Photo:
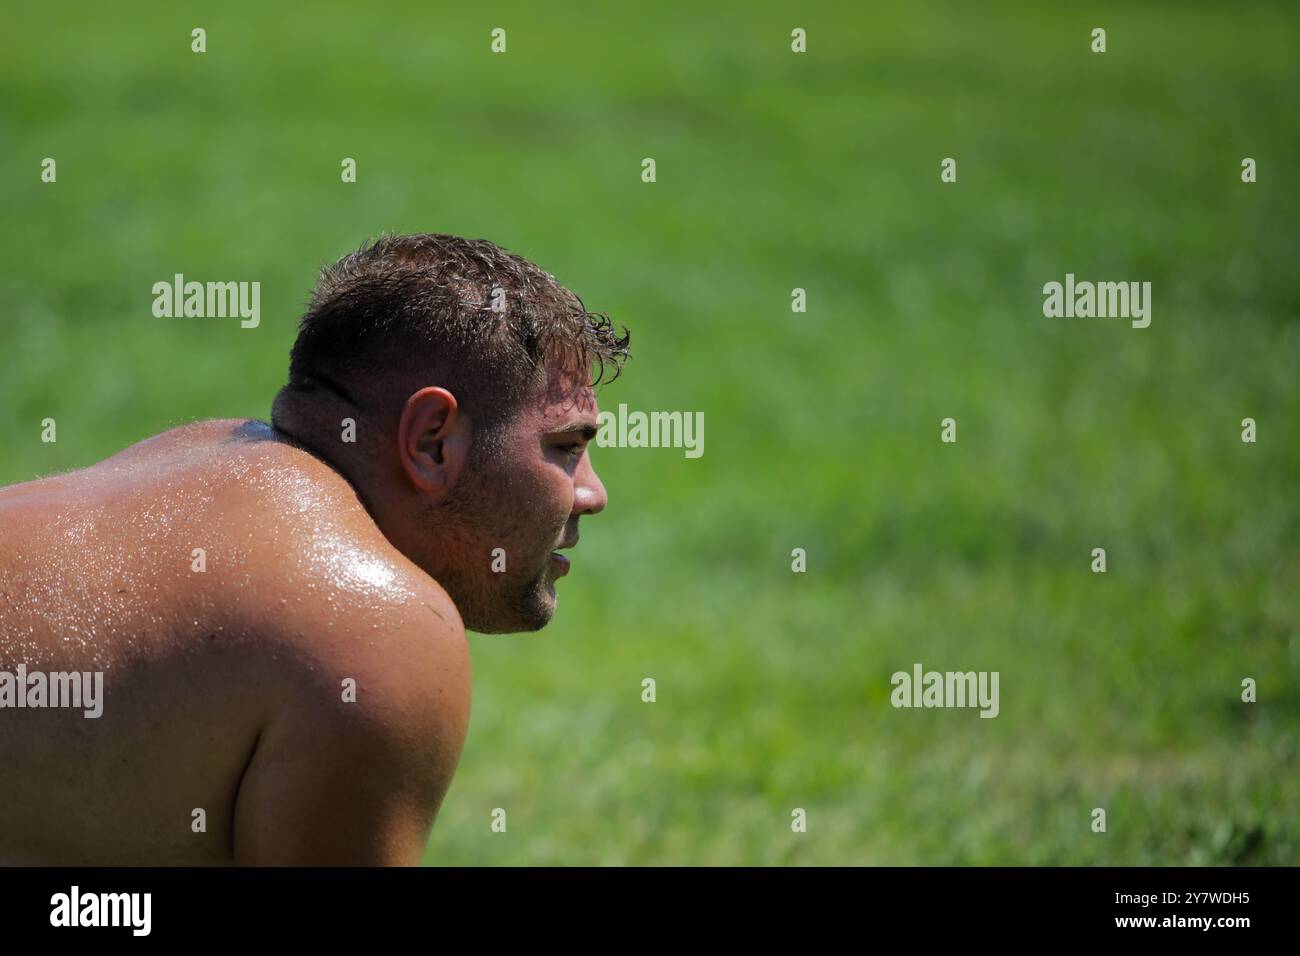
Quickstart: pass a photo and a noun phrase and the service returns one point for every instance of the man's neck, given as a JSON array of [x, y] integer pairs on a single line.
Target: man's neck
[[320, 421]]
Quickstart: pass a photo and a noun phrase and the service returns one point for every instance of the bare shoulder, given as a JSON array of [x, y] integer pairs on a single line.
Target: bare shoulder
[[365, 670], [369, 672], [354, 635], [381, 635], [357, 632]]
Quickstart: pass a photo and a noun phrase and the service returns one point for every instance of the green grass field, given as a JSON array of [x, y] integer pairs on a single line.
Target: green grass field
[[774, 171]]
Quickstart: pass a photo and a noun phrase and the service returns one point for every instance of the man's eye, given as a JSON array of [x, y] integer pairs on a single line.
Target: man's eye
[[574, 448]]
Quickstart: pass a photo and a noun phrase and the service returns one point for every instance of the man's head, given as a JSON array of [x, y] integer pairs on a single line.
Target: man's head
[[469, 373]]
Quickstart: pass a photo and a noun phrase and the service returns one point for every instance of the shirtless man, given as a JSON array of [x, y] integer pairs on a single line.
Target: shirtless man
[[278, 611]]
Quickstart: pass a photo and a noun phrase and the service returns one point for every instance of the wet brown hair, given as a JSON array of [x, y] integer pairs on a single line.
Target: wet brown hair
[[407, 311]]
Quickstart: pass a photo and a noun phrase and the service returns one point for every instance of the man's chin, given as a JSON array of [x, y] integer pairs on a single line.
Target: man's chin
[[532, 612]]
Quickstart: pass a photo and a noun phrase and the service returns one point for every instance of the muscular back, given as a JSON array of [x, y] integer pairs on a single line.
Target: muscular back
[[231, 588]]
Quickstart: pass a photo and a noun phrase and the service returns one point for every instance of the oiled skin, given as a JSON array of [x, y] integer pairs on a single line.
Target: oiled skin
[[223, 688]]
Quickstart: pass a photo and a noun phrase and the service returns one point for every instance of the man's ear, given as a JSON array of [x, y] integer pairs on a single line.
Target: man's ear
[[433, 439]]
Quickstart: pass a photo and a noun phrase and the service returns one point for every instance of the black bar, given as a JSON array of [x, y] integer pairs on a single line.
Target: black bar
[[424, 905]]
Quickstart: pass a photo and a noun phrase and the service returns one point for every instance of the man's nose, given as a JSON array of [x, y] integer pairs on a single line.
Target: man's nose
[[589, 496]]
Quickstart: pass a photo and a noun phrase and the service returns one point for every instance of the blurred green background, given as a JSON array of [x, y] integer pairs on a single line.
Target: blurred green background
[[775, 171]]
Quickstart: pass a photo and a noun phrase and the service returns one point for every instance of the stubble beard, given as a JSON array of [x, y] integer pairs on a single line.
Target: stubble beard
[[488, 602]]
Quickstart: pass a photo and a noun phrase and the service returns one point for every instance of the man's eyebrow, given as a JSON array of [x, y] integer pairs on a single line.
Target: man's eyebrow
[[585, 428]]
